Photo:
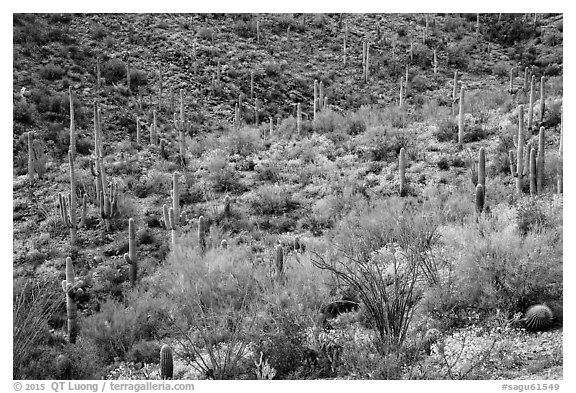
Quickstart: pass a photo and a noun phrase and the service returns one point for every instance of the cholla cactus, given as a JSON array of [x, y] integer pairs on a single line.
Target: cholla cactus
[[72, 288], [130, 257], [166, 362]]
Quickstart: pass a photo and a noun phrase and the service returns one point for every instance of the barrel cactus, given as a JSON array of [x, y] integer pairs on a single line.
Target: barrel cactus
[[166, 362], [538, 317]]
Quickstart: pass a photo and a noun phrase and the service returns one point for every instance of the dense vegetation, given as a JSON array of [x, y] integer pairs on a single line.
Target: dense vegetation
[[306, 174]]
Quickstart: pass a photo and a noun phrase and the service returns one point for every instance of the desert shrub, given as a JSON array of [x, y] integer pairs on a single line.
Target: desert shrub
[[243, 142], [447, 130], [205, 33], [245, 29], [114, 71], [422, 54], [501, 69], [99, 31], [498, 267], [51, 72], [23, 112], [137, 78], [272, 200], [221, 175]]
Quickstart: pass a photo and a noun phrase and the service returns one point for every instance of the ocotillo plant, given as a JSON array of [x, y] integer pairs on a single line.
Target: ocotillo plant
[[533, 184], [202, 233], [461, 117], [402, 171], [542, 100], [166, 362], [169, 221], [531, 103], [68, 213], [130, 257], [36, 159], [72, 288], [279, 261]]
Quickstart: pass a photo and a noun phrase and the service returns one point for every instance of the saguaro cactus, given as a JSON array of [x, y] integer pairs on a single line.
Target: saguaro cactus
[[169, 222], [154, 129], [298, 119], [72, 288], [176, 197], [531, 103], [72, 124], [36, 159], [461, 117], [402, 171], [315, 98], [560, 169], [511, 87], [108, 203], [482, 168], [519, 172], [533, 184], [68, 213], [166, 362], [540, 160], [344, 50], [279, 261], [202, 233], [130, 257], [401, 91], [542, 100], [138, 132], [480, 198]]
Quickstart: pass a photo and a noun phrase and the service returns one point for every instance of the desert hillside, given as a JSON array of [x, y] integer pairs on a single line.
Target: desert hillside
[[287, 196]]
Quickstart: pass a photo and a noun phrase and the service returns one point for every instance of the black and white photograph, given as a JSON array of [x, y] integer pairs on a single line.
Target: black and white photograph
[[287, 196]]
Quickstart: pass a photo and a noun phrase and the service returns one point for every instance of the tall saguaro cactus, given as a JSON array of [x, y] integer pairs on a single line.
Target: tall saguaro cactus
[[68, 208], [560, 169], [533, 175], [531, 103], [176, 197], [72, 288], [72, 124], [542, 100], [130, 257], [402, 171], [461, 117], [480, 198], [520, 171], [540, 160], [169, 222], [482, 168], [202, 234], [36, 159], [298, 119], [315, 97], [279, 261], [401, 91]]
